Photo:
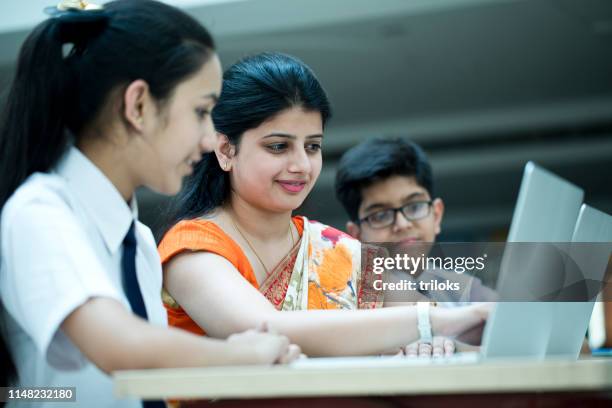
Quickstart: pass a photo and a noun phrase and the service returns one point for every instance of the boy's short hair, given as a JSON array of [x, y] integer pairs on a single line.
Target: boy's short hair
[[375, 160]]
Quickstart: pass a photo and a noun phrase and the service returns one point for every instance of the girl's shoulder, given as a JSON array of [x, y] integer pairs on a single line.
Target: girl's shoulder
[[40, 192]]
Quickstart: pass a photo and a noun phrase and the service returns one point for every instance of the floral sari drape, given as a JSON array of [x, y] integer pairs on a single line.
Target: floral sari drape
[[323, 271]]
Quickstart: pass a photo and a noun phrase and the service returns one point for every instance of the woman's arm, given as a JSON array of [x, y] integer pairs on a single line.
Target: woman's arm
[[115, 339], [221, 301]]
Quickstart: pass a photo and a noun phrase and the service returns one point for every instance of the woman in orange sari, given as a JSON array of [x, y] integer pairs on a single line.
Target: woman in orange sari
[[235, 257]]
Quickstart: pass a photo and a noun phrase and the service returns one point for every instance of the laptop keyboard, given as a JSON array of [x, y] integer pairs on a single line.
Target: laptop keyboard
[[383, 361]]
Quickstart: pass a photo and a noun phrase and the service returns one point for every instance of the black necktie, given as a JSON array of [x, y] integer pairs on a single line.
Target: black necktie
[[132, 288], [130, 280]]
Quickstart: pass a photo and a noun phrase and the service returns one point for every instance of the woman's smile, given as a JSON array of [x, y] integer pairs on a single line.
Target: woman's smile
[[293, 187]]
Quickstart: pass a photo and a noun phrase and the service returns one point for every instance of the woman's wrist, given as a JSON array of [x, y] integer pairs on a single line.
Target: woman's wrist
[[438, 321], [451, 322]]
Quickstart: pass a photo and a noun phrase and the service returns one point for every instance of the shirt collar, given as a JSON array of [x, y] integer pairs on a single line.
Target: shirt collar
[[100, 198]]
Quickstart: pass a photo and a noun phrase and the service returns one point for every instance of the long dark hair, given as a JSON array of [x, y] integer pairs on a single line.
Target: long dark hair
[[55, 94], [255, 89]]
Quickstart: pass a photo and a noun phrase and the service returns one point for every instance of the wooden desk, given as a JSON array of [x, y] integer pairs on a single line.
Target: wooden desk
[[587, 380]]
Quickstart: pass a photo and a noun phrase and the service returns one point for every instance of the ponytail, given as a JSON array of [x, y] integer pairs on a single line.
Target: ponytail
[[33, 123]]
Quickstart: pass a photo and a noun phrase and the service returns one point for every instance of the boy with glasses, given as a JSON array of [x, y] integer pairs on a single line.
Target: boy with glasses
[[386, 187]]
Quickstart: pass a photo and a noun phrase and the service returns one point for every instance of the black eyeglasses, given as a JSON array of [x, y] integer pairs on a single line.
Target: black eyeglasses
[[412, 212]]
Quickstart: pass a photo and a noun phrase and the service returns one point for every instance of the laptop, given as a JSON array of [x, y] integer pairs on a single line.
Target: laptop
[[593, 238], [546, 211]]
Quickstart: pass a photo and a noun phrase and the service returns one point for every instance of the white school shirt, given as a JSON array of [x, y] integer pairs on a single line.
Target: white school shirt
[[61, 236]]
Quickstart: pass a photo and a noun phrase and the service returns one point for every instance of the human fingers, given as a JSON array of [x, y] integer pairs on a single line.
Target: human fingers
[[425, 349], [449, 347], [437, 346], [271, 347], [292, 353], [412, 349]]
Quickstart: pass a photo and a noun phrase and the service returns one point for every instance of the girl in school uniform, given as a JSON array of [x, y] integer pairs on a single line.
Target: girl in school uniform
[[103, 101]]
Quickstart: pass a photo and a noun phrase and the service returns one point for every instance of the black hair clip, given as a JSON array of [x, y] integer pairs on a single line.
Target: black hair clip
[[78, 23]]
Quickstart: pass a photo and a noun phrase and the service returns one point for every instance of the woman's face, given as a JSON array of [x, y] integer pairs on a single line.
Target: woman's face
[[184, 130], [278, 163]]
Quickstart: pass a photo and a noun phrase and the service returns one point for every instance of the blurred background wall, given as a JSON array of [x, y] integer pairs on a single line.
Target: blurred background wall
[[483, 85]]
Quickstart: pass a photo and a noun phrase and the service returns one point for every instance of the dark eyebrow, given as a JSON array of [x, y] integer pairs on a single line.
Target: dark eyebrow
[[288, 136], [416, 194], [374, 206]]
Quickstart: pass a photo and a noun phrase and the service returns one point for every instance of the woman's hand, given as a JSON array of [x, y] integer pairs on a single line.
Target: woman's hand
[[439, 347], [262, 346]]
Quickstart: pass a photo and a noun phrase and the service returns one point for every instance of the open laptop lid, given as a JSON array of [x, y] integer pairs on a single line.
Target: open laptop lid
[[571, 319], [546, 211]]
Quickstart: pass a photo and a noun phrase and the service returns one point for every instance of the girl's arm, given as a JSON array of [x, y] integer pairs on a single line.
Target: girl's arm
[[113, 338]]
